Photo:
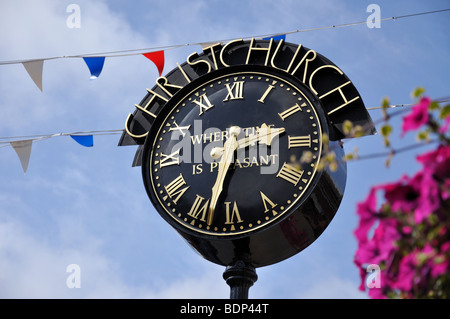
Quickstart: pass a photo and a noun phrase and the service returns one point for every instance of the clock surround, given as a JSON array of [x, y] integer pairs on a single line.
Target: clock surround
[[221, 232]]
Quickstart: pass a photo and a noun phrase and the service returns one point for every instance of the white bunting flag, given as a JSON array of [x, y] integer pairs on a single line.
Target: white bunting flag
[[23, 150], [34, 69]]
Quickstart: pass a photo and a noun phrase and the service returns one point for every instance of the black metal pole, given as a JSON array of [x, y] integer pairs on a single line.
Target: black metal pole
[[240, 277]]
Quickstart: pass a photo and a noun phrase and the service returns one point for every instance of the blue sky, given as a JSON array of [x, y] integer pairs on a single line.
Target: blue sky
[[88, 206]]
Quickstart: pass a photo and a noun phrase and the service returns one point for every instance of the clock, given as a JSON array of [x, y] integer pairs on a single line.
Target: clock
[[234, 157], [232, 144]]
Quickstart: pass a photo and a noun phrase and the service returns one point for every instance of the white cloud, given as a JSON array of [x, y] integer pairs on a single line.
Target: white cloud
[[32, 268]]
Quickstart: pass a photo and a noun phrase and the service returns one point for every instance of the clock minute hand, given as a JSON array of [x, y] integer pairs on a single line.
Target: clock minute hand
[[227, 154], [264, 136]]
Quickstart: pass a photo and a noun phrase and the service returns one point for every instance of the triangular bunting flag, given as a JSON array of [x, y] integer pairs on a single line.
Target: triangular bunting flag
[[277, 37], [34, 69], [85, 140], [23, 150], [95, 65], [156, 57]]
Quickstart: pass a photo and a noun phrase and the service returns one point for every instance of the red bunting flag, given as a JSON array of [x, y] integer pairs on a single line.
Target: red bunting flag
[[156, 57]]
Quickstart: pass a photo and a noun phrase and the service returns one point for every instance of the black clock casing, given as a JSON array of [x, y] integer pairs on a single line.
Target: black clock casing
[[259, 218]]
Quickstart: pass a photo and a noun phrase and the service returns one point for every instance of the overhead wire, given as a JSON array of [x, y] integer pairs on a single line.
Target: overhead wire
[[6, 141], [129, 52]]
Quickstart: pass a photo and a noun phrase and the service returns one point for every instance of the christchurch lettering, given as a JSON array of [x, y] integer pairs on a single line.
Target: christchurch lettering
[[303, 63]]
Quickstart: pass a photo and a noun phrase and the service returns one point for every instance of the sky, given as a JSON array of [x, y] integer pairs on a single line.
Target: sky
[[88, 206]]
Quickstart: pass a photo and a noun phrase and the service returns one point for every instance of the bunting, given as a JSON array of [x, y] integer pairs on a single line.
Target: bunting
[[95, 65], [157, 58], [34, 69], [23, 150], [22, 144], [84, 140], [277, 37]]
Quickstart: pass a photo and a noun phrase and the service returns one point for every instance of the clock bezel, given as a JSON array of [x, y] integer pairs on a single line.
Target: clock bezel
[[185, 92]]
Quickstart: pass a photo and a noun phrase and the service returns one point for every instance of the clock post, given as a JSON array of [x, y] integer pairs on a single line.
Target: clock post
[[240, 277], [246, 187]]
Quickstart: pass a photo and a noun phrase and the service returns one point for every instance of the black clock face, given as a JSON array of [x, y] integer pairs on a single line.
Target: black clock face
[[225, 157]]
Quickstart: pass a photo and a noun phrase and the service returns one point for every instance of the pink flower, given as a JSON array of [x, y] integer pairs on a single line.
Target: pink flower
[[429, 199], [406, 273], [417, 117], [435, 157], [381, 245], [419, 195], [443, 129], [379, 293], [441, 262], [440, 266], [436, 165], [404, 195], [398, 234], [376, 293], [366, 211]]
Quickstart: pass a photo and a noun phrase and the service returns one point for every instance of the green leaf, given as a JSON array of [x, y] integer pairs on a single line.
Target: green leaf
[[417, 93], [445, 111], [423, 136], [358, 131], [433, 106], [386, 130], [385, 103], [347, 127]]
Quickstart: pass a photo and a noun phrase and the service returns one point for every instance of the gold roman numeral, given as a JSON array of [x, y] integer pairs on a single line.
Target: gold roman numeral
[[174, 159], [203, 107], [299, 141], [174, 188], [235, 92], [266, 200], [290, 173], [266, 93], [230, 215], [291, 111], [179, 128], [197, 208]]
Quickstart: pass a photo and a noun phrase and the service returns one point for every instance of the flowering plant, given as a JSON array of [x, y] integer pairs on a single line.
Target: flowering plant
[[404, 226]]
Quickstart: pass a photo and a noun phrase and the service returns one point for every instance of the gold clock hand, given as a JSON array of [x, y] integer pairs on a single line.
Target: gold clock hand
[[264, 136], [227, 154]]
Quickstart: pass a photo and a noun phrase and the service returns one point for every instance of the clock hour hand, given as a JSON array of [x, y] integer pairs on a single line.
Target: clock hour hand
[[265, 135], [226, 155]]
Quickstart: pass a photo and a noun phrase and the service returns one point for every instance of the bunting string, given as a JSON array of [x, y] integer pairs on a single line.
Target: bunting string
[[130, 52], [22, 144], [82, 138], [95, 62]]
